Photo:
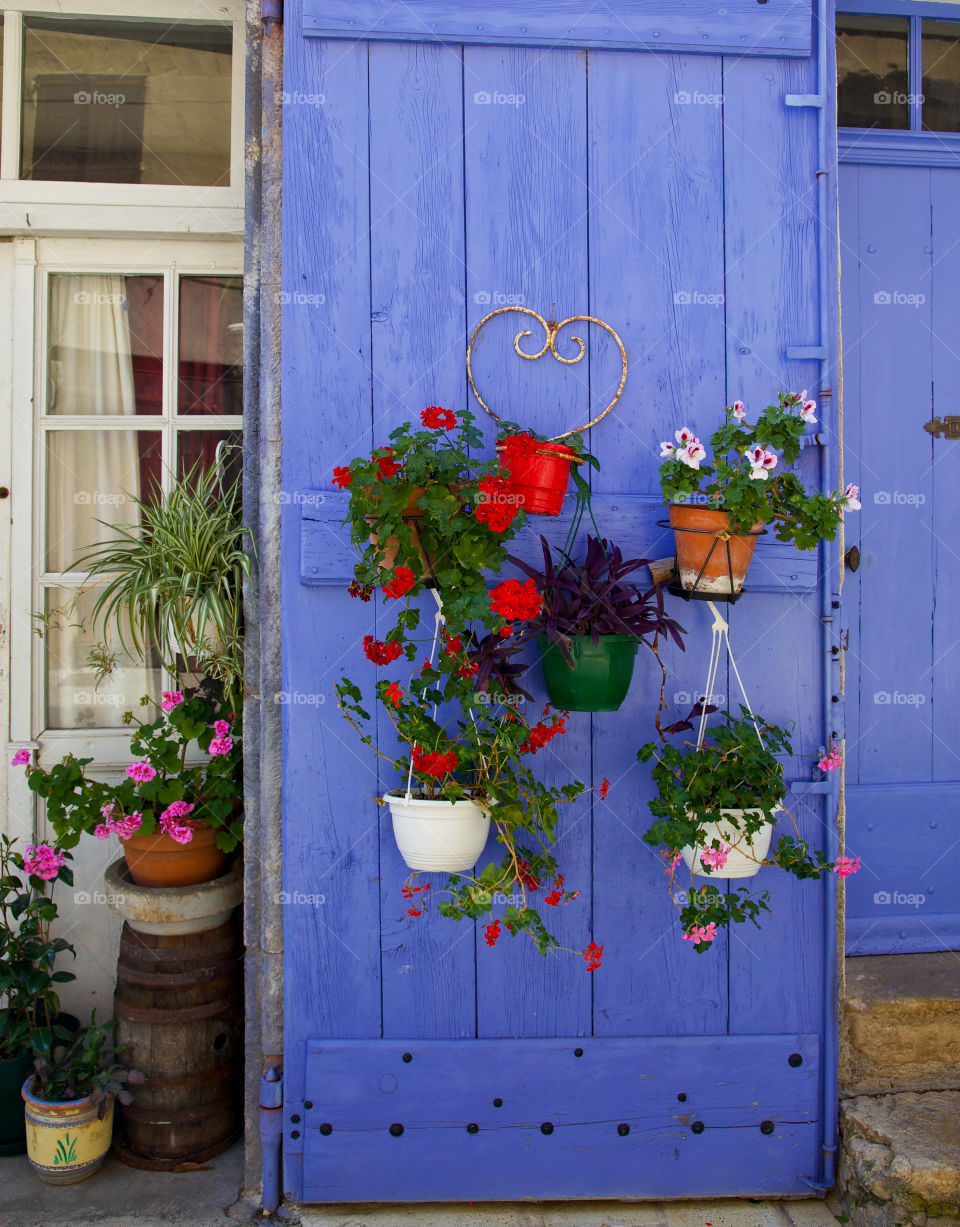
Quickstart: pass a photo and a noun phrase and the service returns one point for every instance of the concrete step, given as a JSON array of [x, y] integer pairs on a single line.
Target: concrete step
[[901, 1023], [900, 1159]]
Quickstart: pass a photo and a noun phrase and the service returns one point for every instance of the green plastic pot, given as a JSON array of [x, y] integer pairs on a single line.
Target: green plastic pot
[[599, 677], [13, 1134]]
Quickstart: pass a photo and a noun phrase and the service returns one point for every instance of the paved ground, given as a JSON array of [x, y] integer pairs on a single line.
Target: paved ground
[[119, 1196]]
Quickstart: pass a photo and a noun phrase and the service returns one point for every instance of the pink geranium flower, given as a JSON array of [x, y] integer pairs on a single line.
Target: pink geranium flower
[[221, 745], [738, 410], [43, 861], [716, 858], [125, 827], [141, 773], [174, 822], [846, 865], [850, 499], [831, 760], [20, 759], [761, 462], [693, 454], [808, 410], [171, 699], [221, 728], [103, 831], [701, 933], [667, 450]]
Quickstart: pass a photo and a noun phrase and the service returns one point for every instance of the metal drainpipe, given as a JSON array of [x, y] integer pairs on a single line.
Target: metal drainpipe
[[261, 490], [829, 379]]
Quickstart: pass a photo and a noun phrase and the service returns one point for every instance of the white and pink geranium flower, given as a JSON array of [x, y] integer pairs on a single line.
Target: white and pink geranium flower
[[761, 462]]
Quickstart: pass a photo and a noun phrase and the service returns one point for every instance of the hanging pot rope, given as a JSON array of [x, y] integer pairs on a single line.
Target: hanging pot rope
[[720, 637]]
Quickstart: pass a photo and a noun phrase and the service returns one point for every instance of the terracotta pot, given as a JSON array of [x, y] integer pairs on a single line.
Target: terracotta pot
[[540, 480], [66, 1142], [158, 860], [703, 536]]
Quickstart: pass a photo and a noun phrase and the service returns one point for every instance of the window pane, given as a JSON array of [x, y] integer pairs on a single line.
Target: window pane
[[91, 475], [124, 101], [74, 700], [872, 72], [210, 375], [205, 448], [105, 347], [941, 76]]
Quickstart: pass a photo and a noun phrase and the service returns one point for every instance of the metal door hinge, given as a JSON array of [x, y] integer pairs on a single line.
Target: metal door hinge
[[801, 353], [947, 428], [803, 100]]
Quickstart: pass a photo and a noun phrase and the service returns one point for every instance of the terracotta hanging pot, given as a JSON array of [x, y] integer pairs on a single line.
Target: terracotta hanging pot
[[710, 559], [158, 860], [598, 679], [540, 479]]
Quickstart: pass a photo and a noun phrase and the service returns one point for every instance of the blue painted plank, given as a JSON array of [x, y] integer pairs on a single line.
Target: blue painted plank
[[332, 964], [656, 273], [731, 1085], [417, 295], [771, 286], [895, 148], [526, 234], [327, 557], [930, 932], [735, 25]]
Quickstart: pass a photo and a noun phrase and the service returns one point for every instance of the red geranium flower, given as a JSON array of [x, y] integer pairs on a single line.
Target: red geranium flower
[[525, 876], [402, 582], [470, 670], [342, 476], [517, 447], [393, 694], [541, 735], [386, 466], [435, 764], [453, 646], [435, 418], [593, 954], [363, 591], [381, 653], [604, 788], [514, 600], [492, 932], [498, 506]]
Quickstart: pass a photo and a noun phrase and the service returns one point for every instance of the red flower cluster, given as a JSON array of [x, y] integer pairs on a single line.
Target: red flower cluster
[[363, 591], [386, 465], [408, 892], [342, 476], [541, 735], [517, 448], [469, 670], [436, 764], [381, 653], [435, 418], [453, 646], [394, 694], [525, 876], [417, 910], [402, 582], [557, 893], [498, 505], [491, 933], [511, 599], [593, 954], [604, 788]]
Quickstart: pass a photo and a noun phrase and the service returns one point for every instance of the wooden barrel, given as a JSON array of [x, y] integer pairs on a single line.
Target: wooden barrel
[[179, 1012]]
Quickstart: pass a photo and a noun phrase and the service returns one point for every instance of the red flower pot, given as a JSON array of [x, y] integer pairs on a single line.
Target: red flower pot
[[539, 476]]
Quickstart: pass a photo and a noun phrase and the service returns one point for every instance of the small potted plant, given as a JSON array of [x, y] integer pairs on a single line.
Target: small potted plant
[[427, 511], [718, 509], [716, 809], [591, 624], [469, 772], [178, 811], [539, 469], [28, 975], [69, 1101]]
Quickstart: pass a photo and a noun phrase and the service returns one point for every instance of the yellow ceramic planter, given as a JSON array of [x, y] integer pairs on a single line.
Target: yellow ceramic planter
[[66, 1142]]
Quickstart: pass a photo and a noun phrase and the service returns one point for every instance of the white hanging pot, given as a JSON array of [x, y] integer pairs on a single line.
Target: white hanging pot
[[438, 836], [746, 851]]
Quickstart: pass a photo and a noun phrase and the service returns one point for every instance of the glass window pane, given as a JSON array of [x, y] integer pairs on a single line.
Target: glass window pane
[[204, 448], [91, 475], [941, 76], [105, 346], [872, 72], [74, 699], [125, 101], [210, 374]]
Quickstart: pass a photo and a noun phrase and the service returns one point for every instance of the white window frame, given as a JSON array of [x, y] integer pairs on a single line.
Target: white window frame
[[33, 206], [36, 260]]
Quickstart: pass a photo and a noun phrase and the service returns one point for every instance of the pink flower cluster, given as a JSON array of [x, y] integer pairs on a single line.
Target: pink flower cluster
[[701, 933], [172, 822], [222, 742], [831, 760], [715, 858], [141, 773], [846, 865], [20, 759], [688, 448], [124, 827], [42, 861], [761, 462], [171, 699]]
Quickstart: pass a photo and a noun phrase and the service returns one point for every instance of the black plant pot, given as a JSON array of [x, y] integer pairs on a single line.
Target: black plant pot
[[13, 1132]]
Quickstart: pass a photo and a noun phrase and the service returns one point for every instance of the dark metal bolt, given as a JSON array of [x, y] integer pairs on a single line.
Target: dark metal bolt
[[294, 1133], [471, 1128], [698, 1126], [308, 1105], [396, 1130], [498, 1103], [767, 1126], [794, 1059], [682, 1097], [623, 1130], [578, 1052], [326, 1129], [546, 1128], [295, 1119], [408, 1057]]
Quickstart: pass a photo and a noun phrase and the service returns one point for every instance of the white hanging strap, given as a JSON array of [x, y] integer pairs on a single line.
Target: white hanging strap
[[439, 621], [721, 636]]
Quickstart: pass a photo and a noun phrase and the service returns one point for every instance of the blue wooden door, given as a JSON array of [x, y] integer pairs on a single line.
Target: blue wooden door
[[439, 161], [900, 228]]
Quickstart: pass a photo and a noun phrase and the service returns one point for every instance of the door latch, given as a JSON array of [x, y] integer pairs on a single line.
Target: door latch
[[948, 427], [852, 559]]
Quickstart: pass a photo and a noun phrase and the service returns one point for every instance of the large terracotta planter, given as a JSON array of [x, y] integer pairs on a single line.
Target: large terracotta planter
[[710, 559], [598, 679], [66, 1142], [539, 480], [158, 860]]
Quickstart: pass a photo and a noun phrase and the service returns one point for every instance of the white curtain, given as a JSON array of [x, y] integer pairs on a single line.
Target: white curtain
[[89, 473]]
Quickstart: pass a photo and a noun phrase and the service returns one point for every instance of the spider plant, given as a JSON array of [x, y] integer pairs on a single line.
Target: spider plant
[[174, 582]]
